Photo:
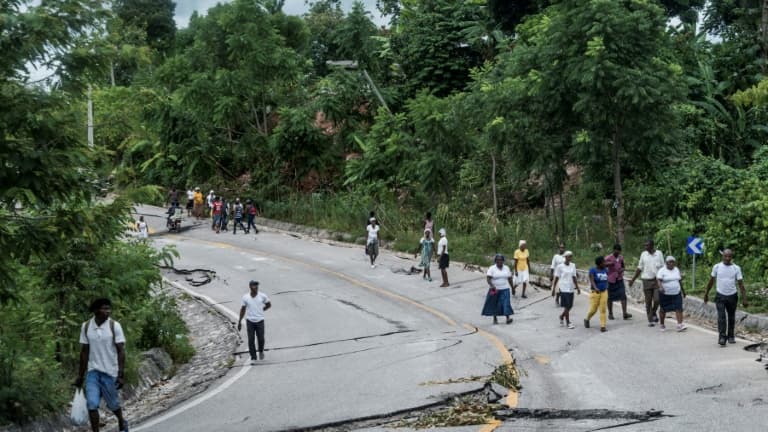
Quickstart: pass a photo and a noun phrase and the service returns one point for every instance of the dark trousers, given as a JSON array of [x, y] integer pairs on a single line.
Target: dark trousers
[[238, 221], [251, 224], [726, 305], [257, 330]]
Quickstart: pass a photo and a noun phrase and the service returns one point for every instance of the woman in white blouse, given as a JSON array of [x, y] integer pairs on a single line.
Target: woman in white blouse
[[497, 301]]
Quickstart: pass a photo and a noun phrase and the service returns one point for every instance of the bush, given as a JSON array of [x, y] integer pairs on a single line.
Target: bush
[[161, 326]]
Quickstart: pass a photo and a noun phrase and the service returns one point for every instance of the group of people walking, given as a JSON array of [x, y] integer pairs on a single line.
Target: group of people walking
[[662, 284], [426, 248], [221, 211]]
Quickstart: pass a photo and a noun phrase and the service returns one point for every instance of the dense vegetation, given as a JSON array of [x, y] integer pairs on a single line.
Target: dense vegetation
[[62, 246], [584, 121]]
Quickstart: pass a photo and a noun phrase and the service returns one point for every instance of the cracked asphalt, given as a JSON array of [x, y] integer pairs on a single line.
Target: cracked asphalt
[[346, 341]]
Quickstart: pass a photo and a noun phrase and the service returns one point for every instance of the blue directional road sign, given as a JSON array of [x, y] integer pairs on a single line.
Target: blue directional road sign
[[695, 246]]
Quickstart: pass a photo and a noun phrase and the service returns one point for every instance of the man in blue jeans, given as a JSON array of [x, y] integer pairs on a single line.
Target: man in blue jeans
[[728, 275], [102, 356], [254, 305]]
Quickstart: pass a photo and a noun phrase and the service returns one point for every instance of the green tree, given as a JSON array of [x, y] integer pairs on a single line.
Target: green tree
[[606, 61], [431, 48], [323, 18], [154, 17], [225, 87], [354, 38]]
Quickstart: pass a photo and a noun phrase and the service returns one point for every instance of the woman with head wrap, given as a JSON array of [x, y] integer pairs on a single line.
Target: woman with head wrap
[[426, 246], [497, 301], [520, 264], [443, 260], [566, 282], [671, 293]]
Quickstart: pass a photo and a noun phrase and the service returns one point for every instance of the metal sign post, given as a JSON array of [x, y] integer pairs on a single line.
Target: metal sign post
[[695, 246]]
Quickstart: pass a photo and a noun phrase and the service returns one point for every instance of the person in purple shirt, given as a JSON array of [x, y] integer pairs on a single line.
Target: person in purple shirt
[[614, 263]]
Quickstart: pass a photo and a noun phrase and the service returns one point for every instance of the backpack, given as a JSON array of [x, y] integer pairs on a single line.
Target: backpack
[[87, 324]]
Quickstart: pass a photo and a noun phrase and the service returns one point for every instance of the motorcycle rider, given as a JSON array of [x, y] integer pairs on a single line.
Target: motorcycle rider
[[174, 213]]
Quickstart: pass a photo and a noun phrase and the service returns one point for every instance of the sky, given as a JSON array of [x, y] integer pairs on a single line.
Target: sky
[[184, 9]]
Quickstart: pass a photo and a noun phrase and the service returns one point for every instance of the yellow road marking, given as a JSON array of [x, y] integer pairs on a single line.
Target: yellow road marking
[[491, 426], [350, 279], [512, 395]]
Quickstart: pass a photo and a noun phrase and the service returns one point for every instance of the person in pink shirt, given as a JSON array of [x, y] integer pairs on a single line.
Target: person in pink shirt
[[616, 290]]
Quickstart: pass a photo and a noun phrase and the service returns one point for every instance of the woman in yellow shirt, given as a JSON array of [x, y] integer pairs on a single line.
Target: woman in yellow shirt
[[521, 267]]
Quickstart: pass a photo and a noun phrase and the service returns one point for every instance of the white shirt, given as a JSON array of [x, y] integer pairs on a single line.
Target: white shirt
[[649, 264], [565, 274], [102, 353], [373, 233], [726, 277], [556, 261], [254, 306], [499, 276], [143, 229], [443, 242], [670, 280], [190, 195], [209, 198]]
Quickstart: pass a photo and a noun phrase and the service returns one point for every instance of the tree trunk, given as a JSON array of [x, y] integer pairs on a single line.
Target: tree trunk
[[619, 204], [493, 188], [562, 216], [764, 35], [112, 73]]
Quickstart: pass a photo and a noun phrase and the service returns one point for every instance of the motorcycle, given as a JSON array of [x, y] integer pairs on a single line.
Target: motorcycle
[[173, 223]]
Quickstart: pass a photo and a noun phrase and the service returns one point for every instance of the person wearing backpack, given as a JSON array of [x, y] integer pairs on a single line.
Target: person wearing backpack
[[102, 363]]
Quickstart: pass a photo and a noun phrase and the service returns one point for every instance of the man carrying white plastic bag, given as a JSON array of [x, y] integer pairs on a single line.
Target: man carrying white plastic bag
[[79, 413], [102, 355]]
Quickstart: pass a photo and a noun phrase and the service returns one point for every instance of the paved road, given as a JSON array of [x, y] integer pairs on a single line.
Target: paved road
[[347, 341]]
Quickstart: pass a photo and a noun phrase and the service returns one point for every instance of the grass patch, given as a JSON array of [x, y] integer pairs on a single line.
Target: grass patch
[[506, 375], [463, 411]]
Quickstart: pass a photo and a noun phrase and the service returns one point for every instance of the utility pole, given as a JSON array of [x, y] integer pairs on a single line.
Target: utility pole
[[90, 118], [375, 89]]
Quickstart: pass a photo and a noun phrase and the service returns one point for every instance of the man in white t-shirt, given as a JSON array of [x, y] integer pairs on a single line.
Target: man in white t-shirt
[[254, 305], [557, 259], [651, 261], [190, 201], [566, 283], [372, 243], [443, 259], [727, 275], [102, 356]]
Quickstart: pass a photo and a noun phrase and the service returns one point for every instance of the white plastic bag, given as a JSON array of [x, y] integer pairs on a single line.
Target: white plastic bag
[[79, 414]]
